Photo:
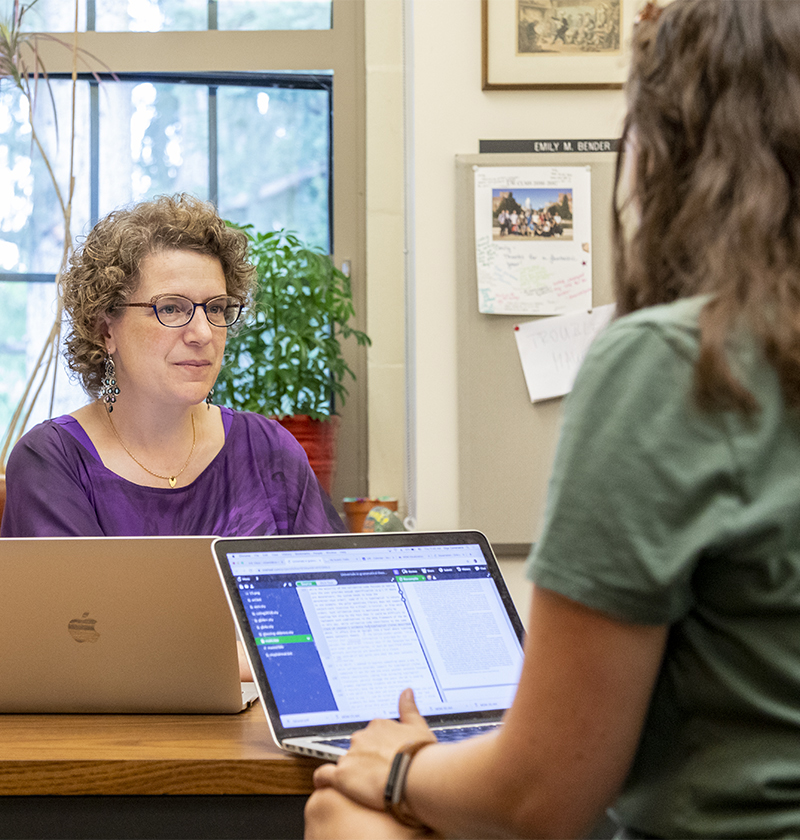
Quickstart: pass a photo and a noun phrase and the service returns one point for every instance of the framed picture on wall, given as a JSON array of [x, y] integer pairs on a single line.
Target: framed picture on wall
[[551, 44]]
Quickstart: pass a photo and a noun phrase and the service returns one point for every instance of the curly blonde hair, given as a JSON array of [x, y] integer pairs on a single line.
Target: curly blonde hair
[[104, 271], [714, 123]]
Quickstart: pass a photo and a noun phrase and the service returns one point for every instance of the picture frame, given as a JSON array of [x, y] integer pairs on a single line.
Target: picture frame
[[555, 44]]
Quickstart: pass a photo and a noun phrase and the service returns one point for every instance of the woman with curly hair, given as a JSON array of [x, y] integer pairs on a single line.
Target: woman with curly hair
[[662, 669], [150, 296]]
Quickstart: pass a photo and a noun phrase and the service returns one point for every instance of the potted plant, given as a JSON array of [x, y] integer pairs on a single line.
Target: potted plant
[[285, 361]]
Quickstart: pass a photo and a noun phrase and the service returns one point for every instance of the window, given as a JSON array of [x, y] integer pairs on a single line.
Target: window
[[179, 15], [142, 135], [214, 113]]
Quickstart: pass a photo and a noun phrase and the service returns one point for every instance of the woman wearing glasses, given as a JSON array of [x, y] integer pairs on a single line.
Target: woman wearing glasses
[[150, 297], [662, 663]]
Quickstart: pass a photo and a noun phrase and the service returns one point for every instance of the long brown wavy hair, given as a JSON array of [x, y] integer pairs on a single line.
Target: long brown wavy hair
[[104, 270], [713, 127]]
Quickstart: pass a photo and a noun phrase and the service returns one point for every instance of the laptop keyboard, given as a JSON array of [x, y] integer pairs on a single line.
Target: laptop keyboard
[[450, 734], [459, 733], [344, 743]]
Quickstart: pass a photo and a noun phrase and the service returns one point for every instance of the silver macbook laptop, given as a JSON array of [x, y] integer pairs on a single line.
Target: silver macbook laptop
[[336, 626], [115, 624]]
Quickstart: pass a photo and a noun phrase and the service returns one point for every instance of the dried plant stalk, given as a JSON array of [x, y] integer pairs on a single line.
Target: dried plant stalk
[[25, 73]]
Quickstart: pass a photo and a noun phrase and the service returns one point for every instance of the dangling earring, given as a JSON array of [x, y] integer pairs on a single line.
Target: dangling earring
[[208, 399], [109, 392]]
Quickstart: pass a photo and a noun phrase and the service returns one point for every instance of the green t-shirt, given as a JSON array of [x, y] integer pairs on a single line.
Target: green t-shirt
[[661, 513]]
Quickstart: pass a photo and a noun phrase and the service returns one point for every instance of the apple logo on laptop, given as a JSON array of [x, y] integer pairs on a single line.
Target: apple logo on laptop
[[82, 629]]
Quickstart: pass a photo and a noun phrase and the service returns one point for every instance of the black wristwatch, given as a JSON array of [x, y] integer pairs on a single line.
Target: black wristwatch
[[394, 801]]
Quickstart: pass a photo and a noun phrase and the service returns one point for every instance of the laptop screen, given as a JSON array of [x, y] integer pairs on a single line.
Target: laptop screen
[[341, 630]]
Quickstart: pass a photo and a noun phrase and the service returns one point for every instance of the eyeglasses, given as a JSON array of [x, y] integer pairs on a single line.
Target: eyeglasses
[[177, 311]]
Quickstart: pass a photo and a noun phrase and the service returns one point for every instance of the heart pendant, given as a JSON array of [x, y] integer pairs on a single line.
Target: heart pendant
[[173, 480]]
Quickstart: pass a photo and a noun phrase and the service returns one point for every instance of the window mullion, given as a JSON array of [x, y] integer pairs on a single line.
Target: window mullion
[[213, 177], [94, 152]]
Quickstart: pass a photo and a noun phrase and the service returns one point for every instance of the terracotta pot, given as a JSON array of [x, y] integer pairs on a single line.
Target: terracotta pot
[[319, 439], [356, 510]]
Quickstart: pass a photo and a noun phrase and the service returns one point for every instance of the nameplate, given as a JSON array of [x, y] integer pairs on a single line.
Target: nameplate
[[546, 146]]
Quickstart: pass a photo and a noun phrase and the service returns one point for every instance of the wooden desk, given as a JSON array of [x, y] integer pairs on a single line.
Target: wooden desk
[[148, 776]]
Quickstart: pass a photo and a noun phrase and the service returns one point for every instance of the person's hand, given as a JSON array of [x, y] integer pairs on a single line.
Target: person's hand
[[361, 774], [330, 815]]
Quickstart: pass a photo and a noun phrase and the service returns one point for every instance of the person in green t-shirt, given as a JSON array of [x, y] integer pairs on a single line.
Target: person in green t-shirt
[[662, 670]]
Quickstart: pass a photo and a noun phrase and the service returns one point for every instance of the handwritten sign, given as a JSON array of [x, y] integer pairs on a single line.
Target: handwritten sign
[[533, 239], [551, 349]]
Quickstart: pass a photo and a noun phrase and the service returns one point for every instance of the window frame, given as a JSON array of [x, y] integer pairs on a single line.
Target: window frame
[[340, 50], [213, 82]]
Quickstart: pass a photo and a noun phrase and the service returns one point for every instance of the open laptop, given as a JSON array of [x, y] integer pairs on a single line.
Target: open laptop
[[116, 624], [336, 626]]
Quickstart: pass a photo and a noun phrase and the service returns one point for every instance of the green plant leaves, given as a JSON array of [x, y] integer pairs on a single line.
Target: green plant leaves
[[286, 358]]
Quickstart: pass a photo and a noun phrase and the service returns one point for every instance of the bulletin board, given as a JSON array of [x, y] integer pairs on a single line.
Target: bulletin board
[[506, 444]]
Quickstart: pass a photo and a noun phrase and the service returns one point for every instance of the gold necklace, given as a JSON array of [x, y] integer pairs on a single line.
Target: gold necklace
[[172, 479]]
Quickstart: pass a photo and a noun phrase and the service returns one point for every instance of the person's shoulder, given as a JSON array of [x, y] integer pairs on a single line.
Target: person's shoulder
[[249, 420], [253, 425], [681, 317], [46, 431], [645, 347], [42, 442], [682, 314], [669, 328]]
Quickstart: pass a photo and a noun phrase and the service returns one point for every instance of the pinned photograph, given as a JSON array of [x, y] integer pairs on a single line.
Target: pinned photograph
[[532, 214], [533, 234]]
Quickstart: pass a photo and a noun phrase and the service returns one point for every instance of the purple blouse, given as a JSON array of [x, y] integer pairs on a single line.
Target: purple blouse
[[259, 483]]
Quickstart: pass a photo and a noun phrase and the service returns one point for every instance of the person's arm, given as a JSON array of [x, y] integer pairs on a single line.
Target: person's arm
[[315, 511], [564, 749], [308, 508], [330, 815]]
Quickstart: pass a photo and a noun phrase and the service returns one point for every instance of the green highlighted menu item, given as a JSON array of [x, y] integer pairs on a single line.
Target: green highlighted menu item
[[283, 640]]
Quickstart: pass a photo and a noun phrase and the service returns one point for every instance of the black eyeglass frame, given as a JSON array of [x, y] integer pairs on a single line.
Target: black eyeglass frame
[[153, 304]]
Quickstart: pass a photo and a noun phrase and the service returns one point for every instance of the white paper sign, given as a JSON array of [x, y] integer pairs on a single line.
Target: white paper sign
[[533, 238], [551, 349]]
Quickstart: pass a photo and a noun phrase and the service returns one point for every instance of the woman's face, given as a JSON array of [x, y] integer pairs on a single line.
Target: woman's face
[[158, 365]]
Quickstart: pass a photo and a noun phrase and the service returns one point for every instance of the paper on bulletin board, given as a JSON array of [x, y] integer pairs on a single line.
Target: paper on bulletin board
[[551, 349], [533, 237]]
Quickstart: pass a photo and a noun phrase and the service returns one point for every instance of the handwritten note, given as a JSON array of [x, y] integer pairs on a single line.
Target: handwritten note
[[551, 349], [533, 239]]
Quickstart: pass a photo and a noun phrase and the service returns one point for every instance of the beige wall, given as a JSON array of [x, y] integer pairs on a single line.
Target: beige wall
[[384, 251], [451, 114]]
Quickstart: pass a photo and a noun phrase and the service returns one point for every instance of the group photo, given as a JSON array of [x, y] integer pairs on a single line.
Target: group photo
[[532, 213]]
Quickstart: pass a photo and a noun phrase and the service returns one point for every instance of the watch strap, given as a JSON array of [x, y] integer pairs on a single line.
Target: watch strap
[[394, 801]]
